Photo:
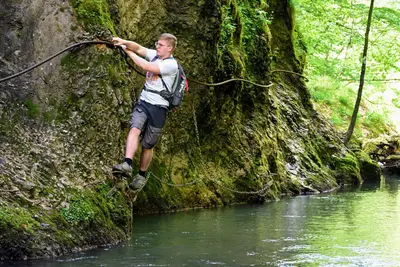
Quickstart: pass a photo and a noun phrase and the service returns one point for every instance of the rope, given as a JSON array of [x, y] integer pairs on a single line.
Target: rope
[[231, 80], [202, 83], [77, 45], [53, 56]]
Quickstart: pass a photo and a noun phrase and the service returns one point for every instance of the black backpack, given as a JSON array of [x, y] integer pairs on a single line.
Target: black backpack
[[173, 95]]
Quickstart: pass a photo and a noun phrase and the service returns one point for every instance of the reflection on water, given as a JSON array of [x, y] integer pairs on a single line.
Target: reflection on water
[[356, 227]]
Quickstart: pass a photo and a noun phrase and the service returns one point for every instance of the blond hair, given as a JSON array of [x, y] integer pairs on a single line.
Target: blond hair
[[173, 41]]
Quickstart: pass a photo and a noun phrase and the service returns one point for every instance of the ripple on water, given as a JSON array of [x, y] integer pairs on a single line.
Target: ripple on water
[[78, 259]]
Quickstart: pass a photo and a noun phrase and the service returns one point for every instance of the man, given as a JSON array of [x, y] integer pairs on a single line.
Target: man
[[149, 113]]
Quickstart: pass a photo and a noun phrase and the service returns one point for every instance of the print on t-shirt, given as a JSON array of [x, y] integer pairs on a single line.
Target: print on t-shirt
[[151, 77]]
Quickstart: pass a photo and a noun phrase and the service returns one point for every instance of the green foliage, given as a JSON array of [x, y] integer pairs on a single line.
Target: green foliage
[[79, 210], [388, 15], [334, 35], [327, 92], [376, 122], [244, 25], [228, 27], [254, 21], [396, 100], [321, 89], [249, 20]]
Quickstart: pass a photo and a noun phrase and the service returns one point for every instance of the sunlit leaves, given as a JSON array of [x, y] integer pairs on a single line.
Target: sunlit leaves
[[334, 34]]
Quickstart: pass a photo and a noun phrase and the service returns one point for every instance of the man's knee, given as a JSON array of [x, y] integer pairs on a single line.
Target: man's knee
[[135, 131], [150, 137]]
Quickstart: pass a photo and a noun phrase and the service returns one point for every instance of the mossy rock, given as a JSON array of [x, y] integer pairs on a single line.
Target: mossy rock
[[372, 145], [370, 170], [347, 169], [393, 157]]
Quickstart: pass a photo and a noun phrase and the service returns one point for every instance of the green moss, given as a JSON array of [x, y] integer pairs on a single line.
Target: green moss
[[93, 13], [228, 27], [98, 70], [370, 170], [348, 169], [33, 109], [17, 218], [393, 157], [381, 145], [89, 209], [90, 219]]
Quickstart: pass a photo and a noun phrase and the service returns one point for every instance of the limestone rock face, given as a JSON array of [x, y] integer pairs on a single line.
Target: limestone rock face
[[64, 124], [32, 31]]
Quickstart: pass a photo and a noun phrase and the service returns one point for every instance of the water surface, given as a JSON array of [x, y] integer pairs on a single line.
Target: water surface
[[355, 227]]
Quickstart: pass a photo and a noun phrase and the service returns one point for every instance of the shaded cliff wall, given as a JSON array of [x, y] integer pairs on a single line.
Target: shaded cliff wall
[[64, 125], [54, 144]]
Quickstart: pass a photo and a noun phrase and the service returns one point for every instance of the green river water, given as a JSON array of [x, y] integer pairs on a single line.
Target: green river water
[[352, 227]]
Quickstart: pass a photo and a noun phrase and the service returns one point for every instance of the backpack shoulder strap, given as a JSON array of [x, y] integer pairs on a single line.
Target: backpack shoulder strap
[[162, 80], [159, 75]]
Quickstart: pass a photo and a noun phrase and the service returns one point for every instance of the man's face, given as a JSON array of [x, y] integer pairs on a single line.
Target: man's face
[[163, 48]]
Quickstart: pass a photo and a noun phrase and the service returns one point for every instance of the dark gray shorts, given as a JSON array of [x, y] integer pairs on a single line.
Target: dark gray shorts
[[150, 120]]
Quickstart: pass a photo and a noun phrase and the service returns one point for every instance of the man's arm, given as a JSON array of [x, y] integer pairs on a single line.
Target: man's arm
[[135, 47], [142, 63]]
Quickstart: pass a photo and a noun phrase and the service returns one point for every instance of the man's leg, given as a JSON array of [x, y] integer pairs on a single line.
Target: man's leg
[[132, 142], [138, 121], [145, 158], [151, 133]]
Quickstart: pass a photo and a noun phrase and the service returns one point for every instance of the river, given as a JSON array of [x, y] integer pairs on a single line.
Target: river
[[352, 227]]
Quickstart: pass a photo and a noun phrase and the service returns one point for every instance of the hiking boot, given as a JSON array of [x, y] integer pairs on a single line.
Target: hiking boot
[[137, 182], [124, 169]]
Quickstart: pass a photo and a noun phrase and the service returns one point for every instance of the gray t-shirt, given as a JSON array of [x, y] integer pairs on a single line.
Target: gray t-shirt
[[169, 71]]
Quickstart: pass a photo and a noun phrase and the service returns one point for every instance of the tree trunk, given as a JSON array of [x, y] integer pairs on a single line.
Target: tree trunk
[[360, 88]]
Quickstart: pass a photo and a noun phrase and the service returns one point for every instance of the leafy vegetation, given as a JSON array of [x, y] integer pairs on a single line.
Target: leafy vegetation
[[79, 210], [244, 29], [334, 34]]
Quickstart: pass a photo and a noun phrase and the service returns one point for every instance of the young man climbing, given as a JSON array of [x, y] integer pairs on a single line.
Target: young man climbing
[[149, 113]]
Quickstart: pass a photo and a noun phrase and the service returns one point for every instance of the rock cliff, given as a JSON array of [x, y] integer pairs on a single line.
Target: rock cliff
[[63, 125]]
